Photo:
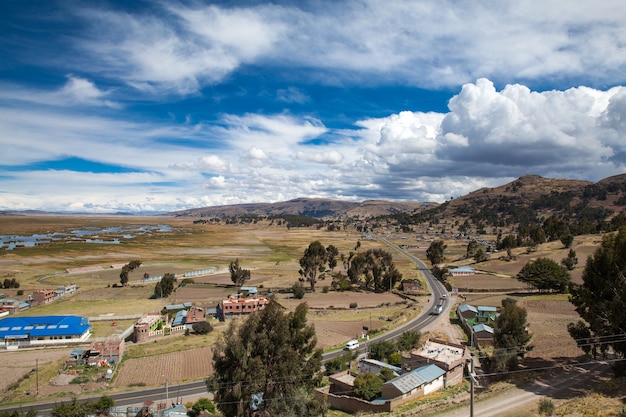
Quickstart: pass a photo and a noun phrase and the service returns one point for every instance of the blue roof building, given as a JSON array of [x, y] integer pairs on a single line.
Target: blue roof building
[[18, 332], [423, 380]]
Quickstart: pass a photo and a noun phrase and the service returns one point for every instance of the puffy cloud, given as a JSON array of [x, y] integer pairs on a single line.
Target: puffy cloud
[[329, 157], [518, 128]]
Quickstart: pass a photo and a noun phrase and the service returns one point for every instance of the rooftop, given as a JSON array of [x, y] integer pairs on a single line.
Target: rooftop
[[440, 352]]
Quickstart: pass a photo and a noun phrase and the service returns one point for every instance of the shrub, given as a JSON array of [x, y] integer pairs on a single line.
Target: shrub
[[546, 407], [325, 289], [353, 305], [298, 290]]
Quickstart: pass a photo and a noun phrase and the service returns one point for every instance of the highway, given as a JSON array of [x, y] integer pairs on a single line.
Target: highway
[[138, 397]]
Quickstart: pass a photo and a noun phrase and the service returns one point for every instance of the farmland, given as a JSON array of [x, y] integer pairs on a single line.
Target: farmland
[[271, 253]]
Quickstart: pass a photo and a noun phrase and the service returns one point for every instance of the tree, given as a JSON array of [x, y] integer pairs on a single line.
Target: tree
[[408, 341], [203, 404], [368, 386], [202, 327], [104, 404], [73, 408], [374, 269], [382, 350], [510, 337], [545, 274], [267, 363], [571, 261], [472, 247], [601, 299], [435, 251], [333, 252], [480, 256], [567, 240], [127, 269], [312, 263], [238, 275], [165, 286]]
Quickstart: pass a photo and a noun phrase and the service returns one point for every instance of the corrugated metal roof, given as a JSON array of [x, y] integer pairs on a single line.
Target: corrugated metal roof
[[42, 326], [466, 307], [483, 327], [416, 378]]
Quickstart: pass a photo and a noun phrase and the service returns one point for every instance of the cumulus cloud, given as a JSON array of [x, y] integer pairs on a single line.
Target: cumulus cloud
[[329, 157]]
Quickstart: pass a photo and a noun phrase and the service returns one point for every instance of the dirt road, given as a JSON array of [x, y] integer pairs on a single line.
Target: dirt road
[[559, 385]]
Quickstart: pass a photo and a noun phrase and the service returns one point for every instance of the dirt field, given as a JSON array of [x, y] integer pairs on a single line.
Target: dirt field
[[272, 256]]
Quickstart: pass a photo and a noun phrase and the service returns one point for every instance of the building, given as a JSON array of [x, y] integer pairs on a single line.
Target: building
[[109, 351], [421, 381], [233, 307], [467, 311], [13, 306], [148, 326], [43, 296], [375, 366], [462, 271], [450, 357], [482, 335], [34, 331]]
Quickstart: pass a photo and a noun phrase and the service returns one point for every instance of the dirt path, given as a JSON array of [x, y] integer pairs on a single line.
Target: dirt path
[[564, 384]]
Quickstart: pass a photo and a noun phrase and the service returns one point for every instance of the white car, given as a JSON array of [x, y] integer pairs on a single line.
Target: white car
[[352, 345]]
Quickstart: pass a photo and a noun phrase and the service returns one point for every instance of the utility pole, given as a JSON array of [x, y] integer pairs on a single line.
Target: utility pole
[[472, 378], [37, 375]]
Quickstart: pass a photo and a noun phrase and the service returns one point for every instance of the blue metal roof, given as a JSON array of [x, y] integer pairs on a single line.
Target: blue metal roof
[[483, 327], [180, 318], [42, 326], [466, 307], [416, 378]]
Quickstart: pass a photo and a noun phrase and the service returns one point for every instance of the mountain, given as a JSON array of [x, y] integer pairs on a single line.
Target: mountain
[[527, 200], [310, 207], [531, 199]]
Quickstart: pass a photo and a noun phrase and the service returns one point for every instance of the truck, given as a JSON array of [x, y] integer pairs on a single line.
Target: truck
[[438, 309]]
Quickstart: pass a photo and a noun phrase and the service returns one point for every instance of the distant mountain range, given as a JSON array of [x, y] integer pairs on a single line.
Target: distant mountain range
[[530, 196], [320, 208]]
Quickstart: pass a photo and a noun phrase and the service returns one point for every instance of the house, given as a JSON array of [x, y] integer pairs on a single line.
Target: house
[[486, 313], [249, 291], [232, 307], [467, 311], [148, 326], [12, 306], [342, 383], [77, 357], [482, 335], [375, 366], [451, 357], [43, 296], [421, 381], [462, 271], [43, 331], [110, 350], [411, 286]]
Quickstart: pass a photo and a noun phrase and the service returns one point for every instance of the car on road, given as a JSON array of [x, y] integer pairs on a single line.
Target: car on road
[[438, 309], [352, 345]]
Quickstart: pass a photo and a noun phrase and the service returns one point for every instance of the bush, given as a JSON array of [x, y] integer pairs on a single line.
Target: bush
[[546, 407], [298, 290], [325, 289], [202, 327], [353, 305]]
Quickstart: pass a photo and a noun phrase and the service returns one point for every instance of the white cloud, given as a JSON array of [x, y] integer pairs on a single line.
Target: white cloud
[[428, 43], [329, 158], [76, 91]]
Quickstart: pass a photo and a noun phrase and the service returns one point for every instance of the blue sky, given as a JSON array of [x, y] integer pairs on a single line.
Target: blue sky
[[149, 106]]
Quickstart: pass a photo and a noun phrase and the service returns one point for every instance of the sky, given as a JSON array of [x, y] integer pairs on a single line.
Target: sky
[[158, 106]]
